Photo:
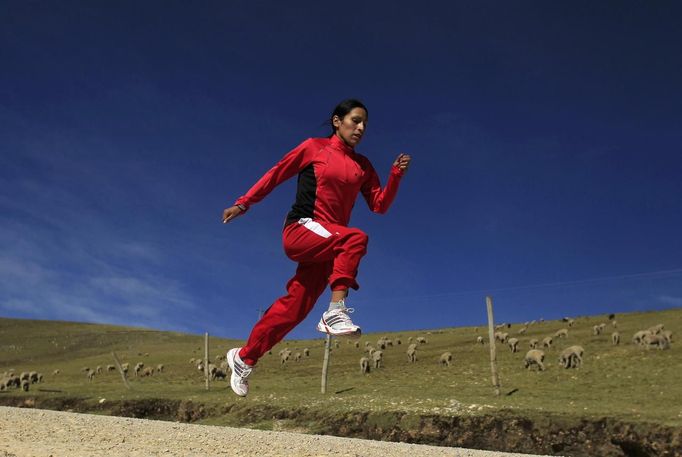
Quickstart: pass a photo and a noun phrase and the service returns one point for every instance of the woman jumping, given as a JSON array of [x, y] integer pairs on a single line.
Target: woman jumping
[[316, 232]]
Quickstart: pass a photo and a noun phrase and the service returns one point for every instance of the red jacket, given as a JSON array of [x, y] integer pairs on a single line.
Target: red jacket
[[330, 175]]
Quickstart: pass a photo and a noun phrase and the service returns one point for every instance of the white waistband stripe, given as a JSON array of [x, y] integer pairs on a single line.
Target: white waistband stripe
[[314, 227]]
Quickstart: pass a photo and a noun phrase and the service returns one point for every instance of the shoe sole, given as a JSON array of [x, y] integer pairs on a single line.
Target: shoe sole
[[328, 330]]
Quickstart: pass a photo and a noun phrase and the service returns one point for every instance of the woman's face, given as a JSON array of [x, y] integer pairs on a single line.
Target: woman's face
[[351, 128]]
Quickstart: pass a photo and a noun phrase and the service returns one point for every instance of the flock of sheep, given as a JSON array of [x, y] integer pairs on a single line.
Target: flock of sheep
[[372, 353], [570, 356], [21, 381]]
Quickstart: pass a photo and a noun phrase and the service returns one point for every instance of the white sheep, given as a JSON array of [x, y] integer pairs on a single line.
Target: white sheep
[[596, 330], [533, 343], [378, 358], [615, 338], [111, 368], [445, 359], [547, 342], [421, 340], [571, 357], [638, 337], [159, 368], [364, 365], [25, 385], [656, 329], [306, 352], [668, 335], [534, 357], [513, 344], [138, 367], [522, 330], [284, 356], [561, 333], [90, 375], [479, 340], [412, 353], [297, 357], [657, 341]]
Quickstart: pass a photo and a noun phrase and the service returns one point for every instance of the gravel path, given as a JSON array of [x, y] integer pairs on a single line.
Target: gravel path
[[34, 432]]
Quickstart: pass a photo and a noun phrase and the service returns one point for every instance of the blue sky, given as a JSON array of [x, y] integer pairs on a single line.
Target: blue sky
[[546, 141]]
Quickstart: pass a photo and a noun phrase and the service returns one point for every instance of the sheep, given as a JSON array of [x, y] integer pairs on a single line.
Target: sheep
[[389, 342], [98, 370], [571, 357], [615, 338], [638, 338], [421, 340], [445, 359], [90, 375], [561, 333], [24, 376], [297, 357], [412, 353], [480, 340], [398, 341], [533, 343], [378, 358], [571, 322], [534, 357], [33, 377], [111, 368], [25, 385], [655, 341], [306, 352], [668, 335], [409, 340], [219, 358], [124, 368], [220, 374], [614, 324], [148, 371], [357, 344], [596, 330], [547, 342], [656, 329], [364, 365], [56, 372], [369, 348], [513, 344], [192, 361], [284, 356], [159, 368], [381, 344], [138, 367], [522, 330]]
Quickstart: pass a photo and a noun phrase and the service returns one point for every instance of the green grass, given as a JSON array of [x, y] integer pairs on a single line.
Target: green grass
[[623, 382]]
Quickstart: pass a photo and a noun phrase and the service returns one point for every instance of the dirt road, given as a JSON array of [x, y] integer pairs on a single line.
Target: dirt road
[[34, 432]]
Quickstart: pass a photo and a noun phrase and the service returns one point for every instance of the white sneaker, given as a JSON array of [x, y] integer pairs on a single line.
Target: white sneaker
[[240, 372], [336, 322]]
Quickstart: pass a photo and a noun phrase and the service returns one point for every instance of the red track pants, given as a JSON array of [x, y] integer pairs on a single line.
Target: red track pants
[[326, 254]]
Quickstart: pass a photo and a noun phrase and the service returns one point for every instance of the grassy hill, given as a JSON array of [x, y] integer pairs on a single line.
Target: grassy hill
[[623, 382]]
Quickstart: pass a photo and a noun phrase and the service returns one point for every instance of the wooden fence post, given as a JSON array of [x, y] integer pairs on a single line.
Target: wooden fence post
[[206, 362], [325, 362], [120, 369], [493, 348]]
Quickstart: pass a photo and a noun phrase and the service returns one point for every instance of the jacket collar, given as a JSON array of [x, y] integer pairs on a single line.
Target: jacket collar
[[338, 143]]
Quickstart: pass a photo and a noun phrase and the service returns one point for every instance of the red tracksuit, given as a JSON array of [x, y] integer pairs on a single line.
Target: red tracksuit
[[316, 234]]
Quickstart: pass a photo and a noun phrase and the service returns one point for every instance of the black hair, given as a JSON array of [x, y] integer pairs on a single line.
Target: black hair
[[344, 108]]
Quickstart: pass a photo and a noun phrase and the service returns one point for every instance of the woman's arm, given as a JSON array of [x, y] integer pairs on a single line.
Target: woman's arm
[[291, 164], [378, 199]]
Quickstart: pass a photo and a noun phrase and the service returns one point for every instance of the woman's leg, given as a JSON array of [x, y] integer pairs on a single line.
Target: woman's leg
[[288, 311], [312, 241]]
